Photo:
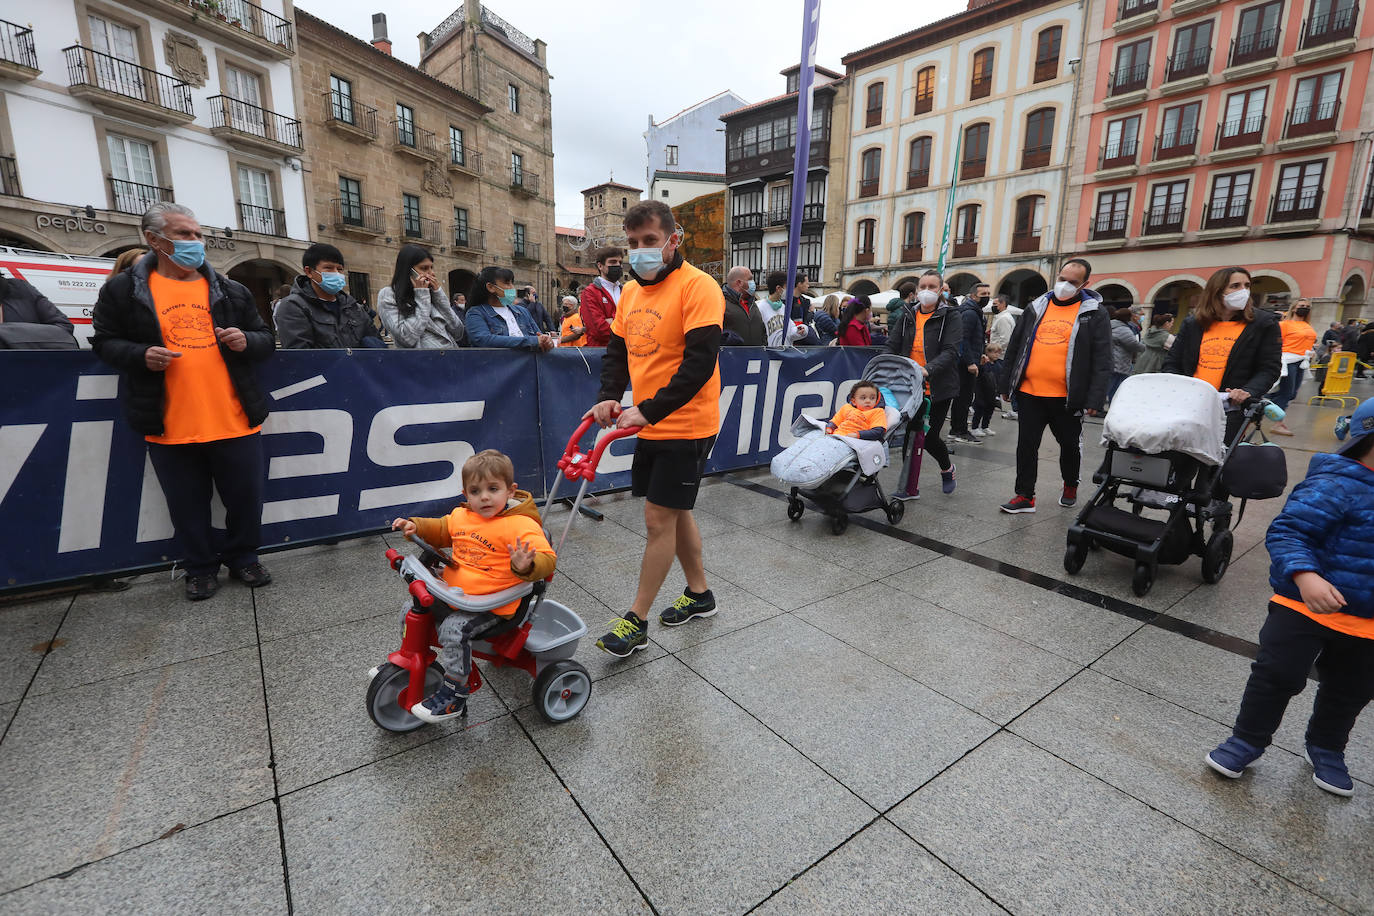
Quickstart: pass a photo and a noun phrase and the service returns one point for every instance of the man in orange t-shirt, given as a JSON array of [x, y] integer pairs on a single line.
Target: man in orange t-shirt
[[187, 338], [665, 341]]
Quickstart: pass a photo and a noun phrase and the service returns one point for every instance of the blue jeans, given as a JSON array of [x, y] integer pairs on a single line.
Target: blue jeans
[[1288, 386]]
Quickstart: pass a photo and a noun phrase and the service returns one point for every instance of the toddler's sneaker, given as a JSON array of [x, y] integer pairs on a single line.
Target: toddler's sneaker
[[448, 702], [628, 634], [686, 608], [1328, 770], [1019, 504], [1232, 756], [947, 481], [1069, 498]]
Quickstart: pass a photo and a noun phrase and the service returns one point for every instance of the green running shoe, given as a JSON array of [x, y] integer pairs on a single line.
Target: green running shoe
[[686, 607]]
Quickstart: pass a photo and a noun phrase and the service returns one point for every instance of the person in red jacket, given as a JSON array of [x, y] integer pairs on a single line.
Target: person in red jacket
[[601, 297], [854, 330]]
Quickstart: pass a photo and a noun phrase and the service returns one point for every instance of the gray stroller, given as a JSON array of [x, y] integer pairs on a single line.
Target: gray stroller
[[839, 475]]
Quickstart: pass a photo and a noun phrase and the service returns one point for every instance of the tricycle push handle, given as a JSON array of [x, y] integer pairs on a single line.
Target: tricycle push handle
[[577, 465]]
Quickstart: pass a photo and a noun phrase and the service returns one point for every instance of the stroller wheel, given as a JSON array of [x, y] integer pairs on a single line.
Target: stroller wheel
[[895, 510], [1075, 557], [795, 508], [839, 524], [1216, 557], [384, 693], [1143, 579], [561, 691]]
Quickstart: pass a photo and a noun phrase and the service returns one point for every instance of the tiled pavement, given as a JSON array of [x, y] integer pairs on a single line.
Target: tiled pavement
[[919, 720]]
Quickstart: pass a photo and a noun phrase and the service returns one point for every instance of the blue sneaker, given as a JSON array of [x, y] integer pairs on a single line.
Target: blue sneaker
[[1233, 756], [628, 635], [1328, 770], [448, 702], [947, 481]]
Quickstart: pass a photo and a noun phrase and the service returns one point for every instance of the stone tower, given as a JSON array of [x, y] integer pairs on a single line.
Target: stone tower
[[603, 212]]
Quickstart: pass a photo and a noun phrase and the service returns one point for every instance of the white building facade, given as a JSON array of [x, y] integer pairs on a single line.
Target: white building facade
[[989, 93], [107, 108], [691, 140], [673, 188]]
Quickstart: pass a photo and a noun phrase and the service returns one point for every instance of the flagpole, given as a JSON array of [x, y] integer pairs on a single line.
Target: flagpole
[[801, 160], [949, 206]]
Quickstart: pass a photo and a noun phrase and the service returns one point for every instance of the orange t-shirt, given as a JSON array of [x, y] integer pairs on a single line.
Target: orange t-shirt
[[654, 321], [850, 420], [200, 404], [482, 548], [918, 342], [1298, 336], [1215, 350], [1348, 624], [572, 321], [1047, 373]]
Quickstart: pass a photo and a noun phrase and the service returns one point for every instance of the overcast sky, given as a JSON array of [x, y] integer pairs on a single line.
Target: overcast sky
[[610, 73]]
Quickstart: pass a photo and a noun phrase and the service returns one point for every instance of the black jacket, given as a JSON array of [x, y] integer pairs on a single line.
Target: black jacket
[[943, 331], [971, 347], [126, 325], [1255, 363], [747, 325], [22, 303], [1088, 369], [541, 317], [307, 322]]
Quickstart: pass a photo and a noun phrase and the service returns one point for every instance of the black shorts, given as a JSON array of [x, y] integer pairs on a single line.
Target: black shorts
[[667, 472]]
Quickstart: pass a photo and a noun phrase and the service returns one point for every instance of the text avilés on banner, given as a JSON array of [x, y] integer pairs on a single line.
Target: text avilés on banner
[[949, 205], [801, 160]]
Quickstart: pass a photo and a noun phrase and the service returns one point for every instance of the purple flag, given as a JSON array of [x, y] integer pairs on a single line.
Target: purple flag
[[801, 162]]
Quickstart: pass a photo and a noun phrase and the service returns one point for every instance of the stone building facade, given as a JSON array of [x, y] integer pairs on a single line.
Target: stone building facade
[[575, 261], [603, 212], [703, 224]]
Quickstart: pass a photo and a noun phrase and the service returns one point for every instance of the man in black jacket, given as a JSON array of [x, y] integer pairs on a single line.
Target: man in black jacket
[[1059, 362], [970, 358], [318, 313], [21, 303], [743, 320], [187, 340]]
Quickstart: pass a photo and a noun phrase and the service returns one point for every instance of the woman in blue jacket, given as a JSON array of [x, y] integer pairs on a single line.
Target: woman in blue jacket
[[494, 320], [1321, 551]]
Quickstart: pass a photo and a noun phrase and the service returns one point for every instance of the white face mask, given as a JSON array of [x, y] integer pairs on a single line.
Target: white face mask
[[1236, 299], [1064, 290], [927, 297]]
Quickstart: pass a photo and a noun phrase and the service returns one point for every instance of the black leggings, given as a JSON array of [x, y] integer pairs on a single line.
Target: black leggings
[[920, 443]]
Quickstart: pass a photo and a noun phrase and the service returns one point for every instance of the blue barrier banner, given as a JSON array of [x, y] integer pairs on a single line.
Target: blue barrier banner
[[355, 438]]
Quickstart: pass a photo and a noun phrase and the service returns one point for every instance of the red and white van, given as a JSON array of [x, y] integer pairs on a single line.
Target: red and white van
[[70, 282]]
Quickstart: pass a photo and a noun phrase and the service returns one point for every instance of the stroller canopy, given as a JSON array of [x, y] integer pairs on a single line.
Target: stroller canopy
[[903, 377], [1157, 412]]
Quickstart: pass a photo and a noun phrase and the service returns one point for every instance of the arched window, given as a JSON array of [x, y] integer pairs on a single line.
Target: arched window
[[1030, 223], [981, 86], [873, 114], [1035, 152], [1047, 53], [925, 90], [918, 169], [913, 237], [863, 250], [974, 160], [966, 232], [871, 166]]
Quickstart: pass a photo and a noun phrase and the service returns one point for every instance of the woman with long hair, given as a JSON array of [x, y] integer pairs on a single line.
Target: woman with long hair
[[494, 317], [1229, 343], [414, 308], [854, 320], [930, 335], [126, 259], [827, 319]]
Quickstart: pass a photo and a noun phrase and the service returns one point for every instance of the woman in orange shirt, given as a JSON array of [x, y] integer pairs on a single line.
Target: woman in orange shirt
[[1229, 343]]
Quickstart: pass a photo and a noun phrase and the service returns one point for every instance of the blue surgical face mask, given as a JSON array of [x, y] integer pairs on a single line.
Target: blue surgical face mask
[[188, 253], [752, 287], [647, 262], [332, 283], [508, 297]]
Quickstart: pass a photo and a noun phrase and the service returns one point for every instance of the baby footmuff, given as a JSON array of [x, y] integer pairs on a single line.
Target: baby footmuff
[[838, 475]]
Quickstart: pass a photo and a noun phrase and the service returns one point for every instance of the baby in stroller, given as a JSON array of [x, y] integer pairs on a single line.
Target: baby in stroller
[[838, 473]]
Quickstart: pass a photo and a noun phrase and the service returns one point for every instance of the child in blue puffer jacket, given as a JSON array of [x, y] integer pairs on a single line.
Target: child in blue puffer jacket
[[1321, 550]]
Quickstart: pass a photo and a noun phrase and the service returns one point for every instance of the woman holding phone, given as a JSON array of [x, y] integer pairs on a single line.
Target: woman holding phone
[[414, 308]]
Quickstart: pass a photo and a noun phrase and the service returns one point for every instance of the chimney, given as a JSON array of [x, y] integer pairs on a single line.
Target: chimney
[[379, 39]]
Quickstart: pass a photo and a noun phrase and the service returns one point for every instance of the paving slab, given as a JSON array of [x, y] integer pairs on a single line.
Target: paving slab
[[316, 694], [175, 745], [111, 634], [1040, 836], [709, 810], [874, 729], [1042, 618], [983, 669], [880, 872], [1153, 750], [327, 585], [7, 711], [783, 576], [25, 632], [471, 823], [628, 512], [1238, 604], [229, 865], [860, 549]]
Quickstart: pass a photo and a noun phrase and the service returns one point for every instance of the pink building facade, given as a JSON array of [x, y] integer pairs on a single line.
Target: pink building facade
[[1221, 132]]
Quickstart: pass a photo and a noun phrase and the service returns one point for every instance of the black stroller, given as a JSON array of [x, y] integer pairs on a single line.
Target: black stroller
[[1165, 455], [829, 474]]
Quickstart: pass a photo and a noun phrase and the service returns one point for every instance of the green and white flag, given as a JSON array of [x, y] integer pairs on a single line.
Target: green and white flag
[[949, 207]]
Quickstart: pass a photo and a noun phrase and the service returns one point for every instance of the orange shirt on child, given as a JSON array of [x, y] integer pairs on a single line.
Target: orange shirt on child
[[481, 546], [1047, 374], [1215, 350], [1348, 624], [200, 403], [850, 420]]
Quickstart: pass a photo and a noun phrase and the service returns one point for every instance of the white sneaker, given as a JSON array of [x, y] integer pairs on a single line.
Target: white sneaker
[[989, 431], [1008, 415], [978, 433]]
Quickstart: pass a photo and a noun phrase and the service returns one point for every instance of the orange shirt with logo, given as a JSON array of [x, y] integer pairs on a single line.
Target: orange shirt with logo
[[1348, 624], [1298, 336], [200, 403], [1215, 350], [482, 548], [918, 343], [1047, 374], [850, 420], [572, 321], [654, 321]]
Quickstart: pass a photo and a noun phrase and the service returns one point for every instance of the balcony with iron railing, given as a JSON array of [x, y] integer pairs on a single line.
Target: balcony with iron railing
[[813, 213], [419, 227], [1025, 241], [134, 198], [1244, 131], [1036, 157], [1109, 226], [863, 257], [523, 181], [346, 115], [965, 247], [356, 216], [911, 254], [125, 88], [1313, 118], [1128, 9], [9, 177], [1367, 210], [410, 140], [465, 236], [1254, 46], [1176, 144], [464, 159], [868, 187], [917, 178], [975, 167], [1332, 26], [1117, 155], [1189, 63], [980, 87], [525, 251], [1298, 204], [1227, 213], [236, 22], [779, 216], [262, 220], [1164, 220], [18, 56], [746, 222], [1130, 79], [249, 126]]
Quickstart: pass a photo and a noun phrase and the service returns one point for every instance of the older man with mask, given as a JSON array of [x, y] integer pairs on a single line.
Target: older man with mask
[[743, 320], [187, 339]]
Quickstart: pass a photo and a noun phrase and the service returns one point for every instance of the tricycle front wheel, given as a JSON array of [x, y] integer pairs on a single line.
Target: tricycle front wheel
[[561, 691], [384, 694]]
